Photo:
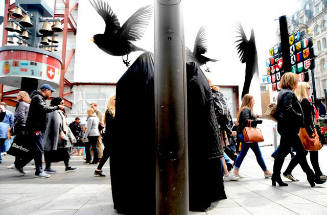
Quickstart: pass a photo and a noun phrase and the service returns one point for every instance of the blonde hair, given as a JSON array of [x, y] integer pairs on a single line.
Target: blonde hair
[[289, 81], [246, 103], [301, 90], [90, 112], [111, 107], [24, 95]]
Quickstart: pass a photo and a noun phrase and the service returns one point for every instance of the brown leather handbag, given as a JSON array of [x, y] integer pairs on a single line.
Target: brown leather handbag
[[252, 135], [310, 144]]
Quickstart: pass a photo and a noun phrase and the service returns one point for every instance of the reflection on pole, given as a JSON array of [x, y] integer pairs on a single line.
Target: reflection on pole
[[171, 110]]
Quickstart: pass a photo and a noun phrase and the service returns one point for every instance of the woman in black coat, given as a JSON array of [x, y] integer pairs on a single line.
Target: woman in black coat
[[302, 93], [289, 117], [108, 121]]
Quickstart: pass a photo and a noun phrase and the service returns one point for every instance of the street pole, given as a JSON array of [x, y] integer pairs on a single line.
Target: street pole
[[313, 85], [171, 110], [285, 46]]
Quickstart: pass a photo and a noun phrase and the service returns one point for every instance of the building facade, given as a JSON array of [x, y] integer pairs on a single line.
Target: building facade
[[311, 19]]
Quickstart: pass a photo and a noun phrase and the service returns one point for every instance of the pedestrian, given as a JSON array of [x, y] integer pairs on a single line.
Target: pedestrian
[[321, 107], [302, 93], [98, 113], [76, 128], [6, 123], [108, 121], [92, 134], [19, 128], [289, 117], [247, 118], [36, 124], [58, 138], [223, 117]]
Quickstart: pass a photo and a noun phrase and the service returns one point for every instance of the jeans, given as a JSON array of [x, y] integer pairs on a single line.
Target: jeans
[[2, 146], [244, 150]]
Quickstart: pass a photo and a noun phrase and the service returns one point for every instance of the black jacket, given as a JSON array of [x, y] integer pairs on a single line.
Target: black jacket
[[308, 112], [37, 113], [76, 129], [109, 118], [289, 113], [244, 118]]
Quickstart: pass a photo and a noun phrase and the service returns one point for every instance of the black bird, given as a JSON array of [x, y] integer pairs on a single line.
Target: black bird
[[247, 52], [116, 39], [200, 48]]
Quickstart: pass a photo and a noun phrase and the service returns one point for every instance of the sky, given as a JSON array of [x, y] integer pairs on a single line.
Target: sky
[[220, 19]]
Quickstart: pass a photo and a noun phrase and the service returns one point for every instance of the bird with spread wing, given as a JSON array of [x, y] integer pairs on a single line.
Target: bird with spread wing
[[116, 39], [200, 49], [247, 52]]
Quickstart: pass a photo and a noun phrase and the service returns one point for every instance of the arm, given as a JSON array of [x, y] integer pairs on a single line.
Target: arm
[[289, 109], [43, 106], [307, 113], [244, 117], [88, 128]]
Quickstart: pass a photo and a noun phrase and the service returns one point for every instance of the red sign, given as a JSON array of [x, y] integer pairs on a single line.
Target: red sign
[[280, 63], [50, 72]]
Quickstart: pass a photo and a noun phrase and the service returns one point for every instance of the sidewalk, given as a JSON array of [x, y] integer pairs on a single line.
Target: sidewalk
[[80, 193]]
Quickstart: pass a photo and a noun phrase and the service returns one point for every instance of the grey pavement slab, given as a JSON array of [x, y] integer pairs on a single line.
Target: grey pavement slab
[[80, 193]]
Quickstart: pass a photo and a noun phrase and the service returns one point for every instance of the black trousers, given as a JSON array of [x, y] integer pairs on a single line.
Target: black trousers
[[314, 161], [37, 148], [92, 142], [286, 142], [104, 158]]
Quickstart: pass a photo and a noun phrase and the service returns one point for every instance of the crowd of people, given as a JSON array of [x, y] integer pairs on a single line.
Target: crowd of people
[[45, 131]]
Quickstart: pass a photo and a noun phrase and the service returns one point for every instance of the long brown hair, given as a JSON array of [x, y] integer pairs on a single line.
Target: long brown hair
[[111, 106], [246, 103]]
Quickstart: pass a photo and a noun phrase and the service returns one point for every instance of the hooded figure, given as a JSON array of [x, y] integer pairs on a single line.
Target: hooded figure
[[132, 163]]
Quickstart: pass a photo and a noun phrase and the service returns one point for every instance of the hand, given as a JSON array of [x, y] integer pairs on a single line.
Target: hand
[[61, 107], [234, 133]]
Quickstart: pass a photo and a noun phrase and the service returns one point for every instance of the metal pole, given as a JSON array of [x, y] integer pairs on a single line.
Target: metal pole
[[64, 47], [313, 85], [285, 46], [171, 110]]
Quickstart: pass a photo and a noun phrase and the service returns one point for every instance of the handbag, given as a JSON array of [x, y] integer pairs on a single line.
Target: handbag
[[310, 144], [252, 135], [20, 149]]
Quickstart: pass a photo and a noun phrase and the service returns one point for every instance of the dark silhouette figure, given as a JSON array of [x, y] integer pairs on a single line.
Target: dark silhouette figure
[[116, 40], [200, 48], [247, 52], [1, 20]]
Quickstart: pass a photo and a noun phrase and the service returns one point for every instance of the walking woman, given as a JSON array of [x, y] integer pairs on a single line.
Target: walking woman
[[244, 119], [92, 133], [58, 138], [289, 117], [21, 113], [302, 93], [108, 121]]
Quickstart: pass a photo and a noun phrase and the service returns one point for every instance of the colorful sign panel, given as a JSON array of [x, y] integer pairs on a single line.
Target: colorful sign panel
[[16, 63]]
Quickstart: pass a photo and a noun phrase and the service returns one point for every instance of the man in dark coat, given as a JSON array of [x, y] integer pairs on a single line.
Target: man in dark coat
[[36, 124], [132, 162]]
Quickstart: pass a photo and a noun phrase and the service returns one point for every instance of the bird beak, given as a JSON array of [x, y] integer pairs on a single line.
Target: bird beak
[[92, 39]]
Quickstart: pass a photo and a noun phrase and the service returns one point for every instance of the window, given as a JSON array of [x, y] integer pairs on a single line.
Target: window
[[324, 25], [323, 64], [324, 45], [319, 45], [316, 30], [317, 9]]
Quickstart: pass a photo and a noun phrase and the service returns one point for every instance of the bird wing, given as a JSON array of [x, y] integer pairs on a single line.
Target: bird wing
[[133, 29], [109, 17], [189, 56], [242, 44], [200, 45]]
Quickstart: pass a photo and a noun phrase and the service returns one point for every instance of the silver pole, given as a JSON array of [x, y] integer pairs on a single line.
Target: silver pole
[[171, 110]]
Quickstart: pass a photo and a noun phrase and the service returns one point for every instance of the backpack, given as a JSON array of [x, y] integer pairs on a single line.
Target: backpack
[[220, 105]]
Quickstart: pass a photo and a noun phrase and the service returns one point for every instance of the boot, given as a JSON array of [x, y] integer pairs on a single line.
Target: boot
[[276, 178]]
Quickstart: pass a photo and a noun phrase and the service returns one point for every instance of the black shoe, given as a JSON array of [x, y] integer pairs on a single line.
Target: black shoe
[[311, 180], [70, 168], [94, 162], [20, 170], [99, 173], [277, 178]]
